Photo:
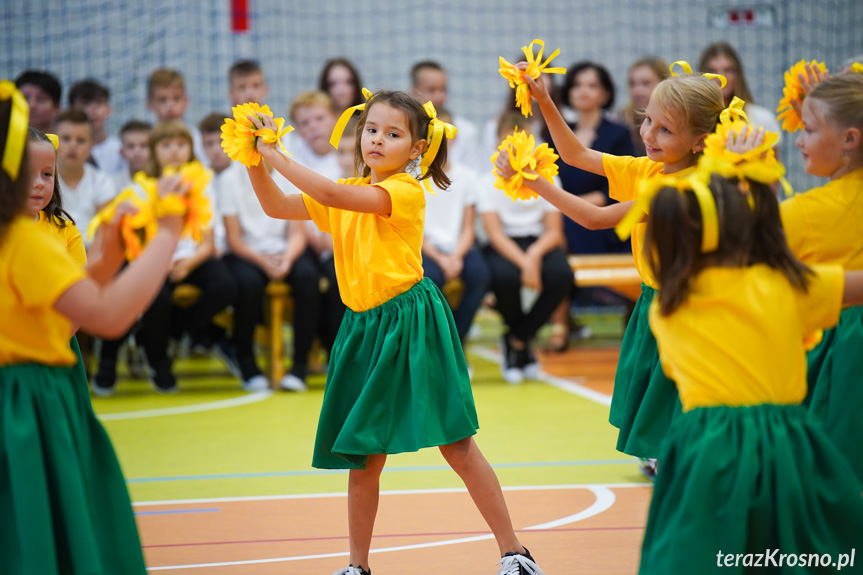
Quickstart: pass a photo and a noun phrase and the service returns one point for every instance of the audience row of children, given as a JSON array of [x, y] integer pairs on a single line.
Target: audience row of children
[[246, 249]]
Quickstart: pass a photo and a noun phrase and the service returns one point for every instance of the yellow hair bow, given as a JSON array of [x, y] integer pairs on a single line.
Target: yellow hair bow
[[734, 112], [688, 69], [436, 133], [54, 139], [857, 68], [339, 128], [16, 137], [535, 66]]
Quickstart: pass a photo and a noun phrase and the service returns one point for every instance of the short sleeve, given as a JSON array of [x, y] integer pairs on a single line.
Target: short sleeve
[[407, 200], [41, 285], [796, 226], [320, 213], [621, 172], [820, 305], [75, 245]]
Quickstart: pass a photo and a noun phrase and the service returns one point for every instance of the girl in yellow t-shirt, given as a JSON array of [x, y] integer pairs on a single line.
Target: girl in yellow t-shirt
[[745, 469], [681, 113], [823, 227], [64, 499], [397, 379]]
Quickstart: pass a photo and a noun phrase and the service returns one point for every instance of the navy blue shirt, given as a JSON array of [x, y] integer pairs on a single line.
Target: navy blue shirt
[[612, 138]]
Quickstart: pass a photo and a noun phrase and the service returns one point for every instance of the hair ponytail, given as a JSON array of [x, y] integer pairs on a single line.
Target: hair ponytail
[[672, 245]]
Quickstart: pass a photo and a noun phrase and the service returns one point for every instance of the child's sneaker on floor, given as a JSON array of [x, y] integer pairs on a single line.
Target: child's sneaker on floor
[[648, 467], [291, 382], [528, 362], [161, 377], [509, 365], [105, 381], [256, 383], [518, 564], [351, 570]]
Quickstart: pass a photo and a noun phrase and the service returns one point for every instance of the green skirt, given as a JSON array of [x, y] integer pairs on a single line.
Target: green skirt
[[644, 400], [835, 394], [65, 508], [749, 480], [397, 382]]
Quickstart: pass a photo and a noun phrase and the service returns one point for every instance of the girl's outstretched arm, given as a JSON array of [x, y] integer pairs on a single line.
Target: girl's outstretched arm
[[584, 213], [368, 199], [571, 150], [273, 200]]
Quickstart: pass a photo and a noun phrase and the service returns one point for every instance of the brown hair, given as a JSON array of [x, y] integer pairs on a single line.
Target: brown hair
[[308, 99], [135, 126], [71, 116], [747, 236], [418, 122], [13, 193], [164, 78], [511, 120], [212, 123], [54, 210], [163, 131], [696, 98], [741, 89], [324, 85], [242, 68]]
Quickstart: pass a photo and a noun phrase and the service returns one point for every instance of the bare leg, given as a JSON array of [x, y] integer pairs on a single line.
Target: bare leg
[[363, 495], [468, 461]]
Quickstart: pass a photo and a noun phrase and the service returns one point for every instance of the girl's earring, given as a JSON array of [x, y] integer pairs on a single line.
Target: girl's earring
[[846, 159]]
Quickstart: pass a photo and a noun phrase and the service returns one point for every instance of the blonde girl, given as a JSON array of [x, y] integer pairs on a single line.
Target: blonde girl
[[823, 226], [397, 378], [681, 113]]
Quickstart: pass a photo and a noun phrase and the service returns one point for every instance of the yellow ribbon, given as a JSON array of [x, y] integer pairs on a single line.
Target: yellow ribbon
[[339, 128], [436, 133], [16, 137], [269, 136], [688, 69], [535, 66], [734, 112], [55, 141], [692, 183], [857, 68]]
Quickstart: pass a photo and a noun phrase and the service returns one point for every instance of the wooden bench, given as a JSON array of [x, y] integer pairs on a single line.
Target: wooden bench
[[613, 271]]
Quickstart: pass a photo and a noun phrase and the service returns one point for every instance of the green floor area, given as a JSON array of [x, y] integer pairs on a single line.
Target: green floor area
[[240, 445]]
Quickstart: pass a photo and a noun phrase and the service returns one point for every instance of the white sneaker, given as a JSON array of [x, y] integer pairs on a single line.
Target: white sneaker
[[256, 383], [509, 368], [351, 570], [292, 383]]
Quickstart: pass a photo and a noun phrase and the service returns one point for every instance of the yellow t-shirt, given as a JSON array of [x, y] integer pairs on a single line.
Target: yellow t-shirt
[[70, 236], [823, 225], [376, 257], [737, 339], [625, 174], [35, 270]]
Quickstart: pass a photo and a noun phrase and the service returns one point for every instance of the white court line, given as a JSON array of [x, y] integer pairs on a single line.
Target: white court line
[[604, 500], [208, 406], [558, 382], [400, 492]]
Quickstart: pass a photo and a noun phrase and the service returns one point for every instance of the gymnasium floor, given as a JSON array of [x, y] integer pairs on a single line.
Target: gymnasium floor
[[222, 483]]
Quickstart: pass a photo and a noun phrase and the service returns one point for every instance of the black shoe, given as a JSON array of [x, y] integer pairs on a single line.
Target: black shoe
[[527, 362], [519, 564], [510, 367], [161, 377], [104, 381]]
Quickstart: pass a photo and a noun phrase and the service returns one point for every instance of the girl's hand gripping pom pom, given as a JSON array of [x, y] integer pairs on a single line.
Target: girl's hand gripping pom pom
[[240, 135]]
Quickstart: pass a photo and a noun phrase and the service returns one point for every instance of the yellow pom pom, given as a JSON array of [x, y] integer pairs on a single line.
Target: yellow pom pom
[[790, 119], [529, 163], [239, 135], [535, 66]]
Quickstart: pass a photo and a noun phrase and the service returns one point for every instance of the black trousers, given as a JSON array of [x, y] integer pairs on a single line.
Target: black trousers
[[557, 280], [310, 306], [163, 319]]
